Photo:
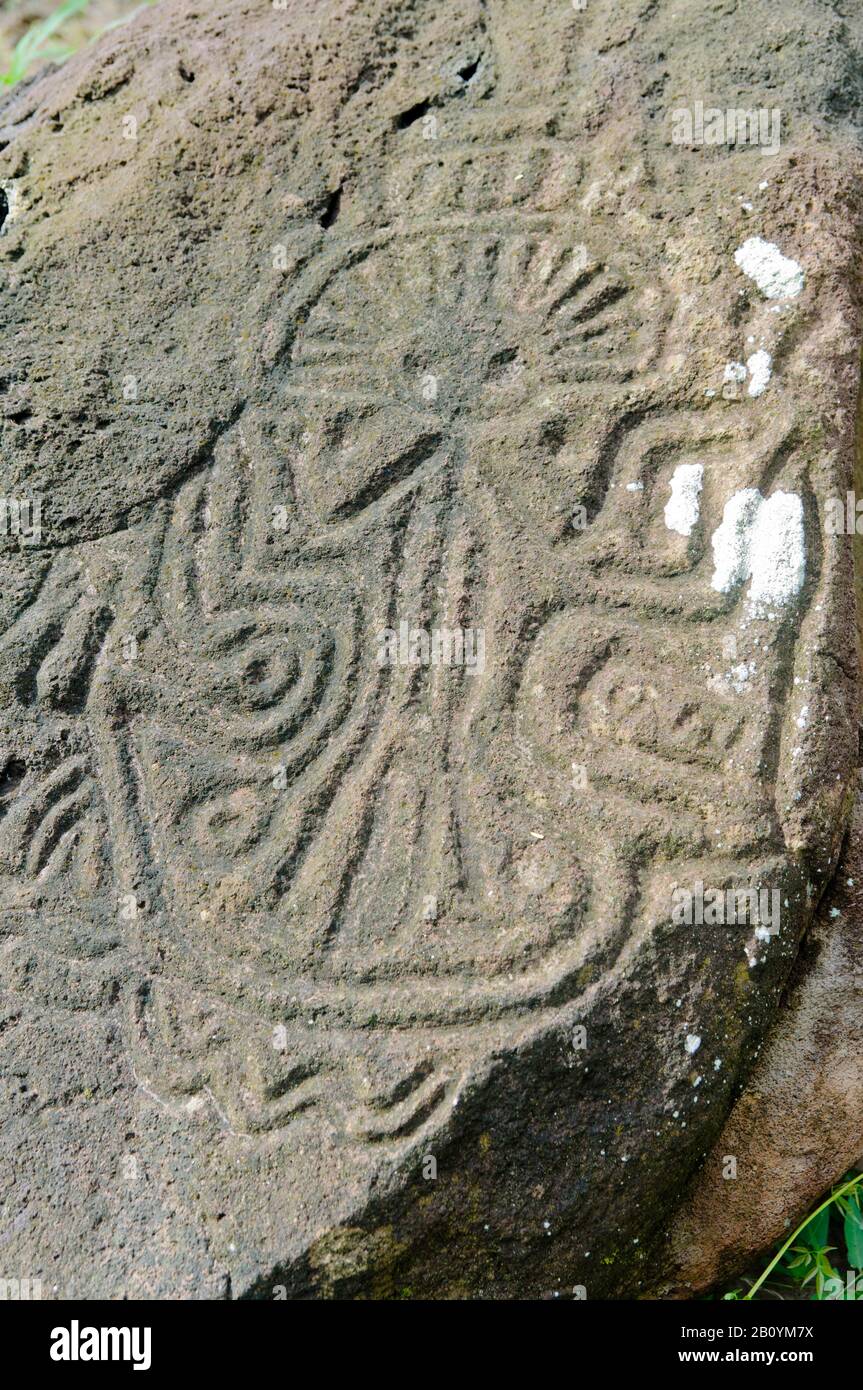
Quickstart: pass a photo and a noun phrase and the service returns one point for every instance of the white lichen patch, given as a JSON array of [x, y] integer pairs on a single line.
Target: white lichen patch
[[682, 507], [692, 1043], [734, 372], [731, 540], [778, 551], [761, 539], [738, 677], [760, 366], [777, 276]]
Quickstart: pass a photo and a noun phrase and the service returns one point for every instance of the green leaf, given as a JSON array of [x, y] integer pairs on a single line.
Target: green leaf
[[796, 1268], [814, 1233], [853, 1229], [849, 1186]]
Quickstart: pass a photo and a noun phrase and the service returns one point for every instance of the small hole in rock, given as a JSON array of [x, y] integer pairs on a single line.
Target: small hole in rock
[[413, 114], [184, 72], [332, 209], [12, 774], [4, 207], [467, 72]]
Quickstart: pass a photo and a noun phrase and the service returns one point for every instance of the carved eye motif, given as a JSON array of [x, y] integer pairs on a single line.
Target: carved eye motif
[[232, 822]]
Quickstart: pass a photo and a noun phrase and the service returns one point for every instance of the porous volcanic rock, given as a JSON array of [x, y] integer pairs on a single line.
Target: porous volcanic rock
[[798, 1125], [340, 959]]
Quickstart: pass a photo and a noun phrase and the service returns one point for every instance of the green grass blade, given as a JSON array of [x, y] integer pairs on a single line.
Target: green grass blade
[[28, 48]]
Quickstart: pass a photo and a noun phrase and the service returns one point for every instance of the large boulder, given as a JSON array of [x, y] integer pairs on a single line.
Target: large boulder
[[416, 608], [798, 1124]]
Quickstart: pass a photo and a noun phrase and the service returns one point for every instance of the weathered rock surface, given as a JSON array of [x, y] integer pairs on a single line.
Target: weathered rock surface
[[323, 320], [798, 1125]]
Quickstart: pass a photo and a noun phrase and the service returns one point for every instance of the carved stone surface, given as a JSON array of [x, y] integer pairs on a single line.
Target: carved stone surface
[[338, 957]]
